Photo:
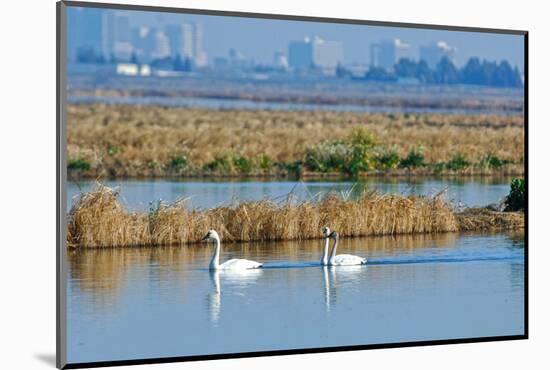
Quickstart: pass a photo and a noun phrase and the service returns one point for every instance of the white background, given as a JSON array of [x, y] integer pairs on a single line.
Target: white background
[[27, 194]]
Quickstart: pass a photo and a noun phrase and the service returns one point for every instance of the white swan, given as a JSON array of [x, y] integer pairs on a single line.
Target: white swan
[[233, 264], [343, 259], [324, 258]]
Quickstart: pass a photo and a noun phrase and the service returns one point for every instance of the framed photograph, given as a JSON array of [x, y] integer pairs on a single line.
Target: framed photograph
[[235, 184]]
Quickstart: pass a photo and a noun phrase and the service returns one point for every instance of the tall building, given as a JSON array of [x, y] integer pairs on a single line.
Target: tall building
[[180, 37], [433, 53], [84, 27], [300, 54], [161, 48], [315, 52], [115, 36], [186, 40], [199, 55], [386, 53], [327, 54]]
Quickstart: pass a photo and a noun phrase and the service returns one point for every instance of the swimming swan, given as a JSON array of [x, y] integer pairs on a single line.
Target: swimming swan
[[233, 264], [343, 259], [324, 258]]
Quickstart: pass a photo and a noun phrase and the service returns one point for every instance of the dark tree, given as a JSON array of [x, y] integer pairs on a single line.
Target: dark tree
[[163, 63], [379, 74], [133, 58], [446, 72], [406, 68]]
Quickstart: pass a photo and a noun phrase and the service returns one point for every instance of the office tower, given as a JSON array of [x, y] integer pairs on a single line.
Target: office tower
[[315, 52], [300, 54], [186, 40], [161, 45], [115, 35], [327, 54], [84, 33], [386, 53]]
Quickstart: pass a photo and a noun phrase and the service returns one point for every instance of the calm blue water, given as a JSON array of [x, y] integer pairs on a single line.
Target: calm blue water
[[216, 103], [157, 302], [206, 194]]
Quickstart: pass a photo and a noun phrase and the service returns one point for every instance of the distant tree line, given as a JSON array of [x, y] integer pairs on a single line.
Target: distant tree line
[[475, 72], [176, 63]]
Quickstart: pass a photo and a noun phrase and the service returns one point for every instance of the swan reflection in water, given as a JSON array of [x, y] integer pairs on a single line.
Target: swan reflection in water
[[335, 277], [234, 279]]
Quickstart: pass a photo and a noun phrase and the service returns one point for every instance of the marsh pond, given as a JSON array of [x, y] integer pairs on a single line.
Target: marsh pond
[[151, 302]]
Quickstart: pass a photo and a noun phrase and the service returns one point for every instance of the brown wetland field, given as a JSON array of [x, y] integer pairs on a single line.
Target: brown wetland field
[[153, 141]]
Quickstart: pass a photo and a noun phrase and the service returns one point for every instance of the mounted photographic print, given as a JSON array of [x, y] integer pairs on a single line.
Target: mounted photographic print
[[236, 184]]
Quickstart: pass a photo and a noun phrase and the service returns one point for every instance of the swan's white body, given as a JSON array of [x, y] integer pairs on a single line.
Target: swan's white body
[[347, 260], [343, 259], [237, 264], [232, 264]]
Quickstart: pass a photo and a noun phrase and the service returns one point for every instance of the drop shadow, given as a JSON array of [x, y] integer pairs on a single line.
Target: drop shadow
[[47, 358]]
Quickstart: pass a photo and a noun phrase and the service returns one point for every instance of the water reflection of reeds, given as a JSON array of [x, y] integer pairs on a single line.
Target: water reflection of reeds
[[101, 273]]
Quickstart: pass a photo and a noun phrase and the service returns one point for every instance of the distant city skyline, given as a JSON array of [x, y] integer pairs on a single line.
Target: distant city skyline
[[261, 39]]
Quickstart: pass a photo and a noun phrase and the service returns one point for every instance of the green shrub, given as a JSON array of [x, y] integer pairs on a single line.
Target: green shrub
[[243, 165], [491, 161], [439, 166], [458, 162], [178, 162], [388, 159], [230, 163], [221, 165], [79, 164], [295, 167], [351, 155], [328, 156], [515, 200], [415, 159], [264, 162]]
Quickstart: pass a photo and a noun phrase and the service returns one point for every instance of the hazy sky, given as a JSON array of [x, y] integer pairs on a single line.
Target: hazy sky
[[260, 38]]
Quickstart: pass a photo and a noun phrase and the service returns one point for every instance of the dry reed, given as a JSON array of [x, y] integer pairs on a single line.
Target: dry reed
[[485, 219], [97, 219]]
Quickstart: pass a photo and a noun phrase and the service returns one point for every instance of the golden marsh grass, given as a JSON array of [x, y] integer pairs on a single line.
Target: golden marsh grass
[[143, 141], [97, 219]]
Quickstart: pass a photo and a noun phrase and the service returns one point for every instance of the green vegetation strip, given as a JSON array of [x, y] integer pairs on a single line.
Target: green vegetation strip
[[356, 154]]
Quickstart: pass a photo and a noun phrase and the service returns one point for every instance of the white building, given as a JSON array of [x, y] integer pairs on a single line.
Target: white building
[[315, 52], [186, 40], [161, 44], [385, 54]]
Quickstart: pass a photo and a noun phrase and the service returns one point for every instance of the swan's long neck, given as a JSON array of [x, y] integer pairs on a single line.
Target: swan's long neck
[[324, 258], [215, 261], [333, 252]]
